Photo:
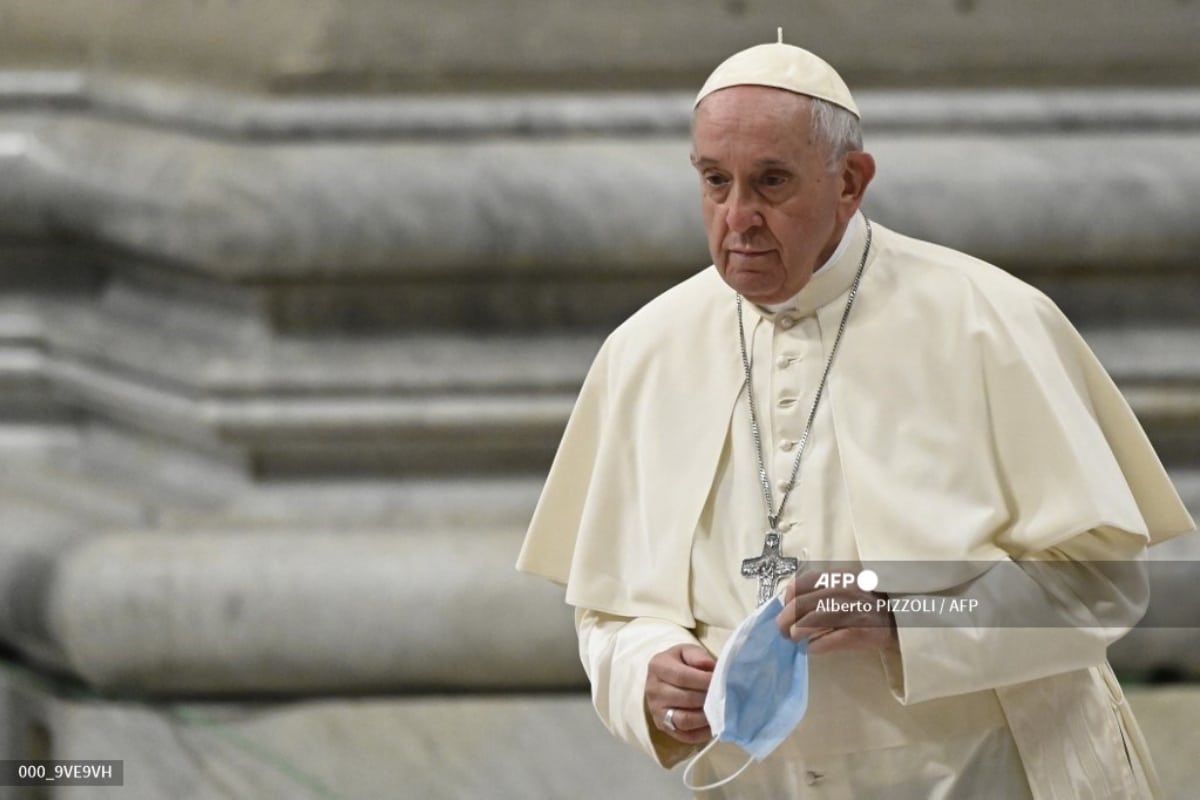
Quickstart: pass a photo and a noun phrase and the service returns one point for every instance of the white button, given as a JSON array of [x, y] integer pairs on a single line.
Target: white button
[[813, 778], [786, 322], [781, 485], [786, 445], [785, 361], [784, 402]]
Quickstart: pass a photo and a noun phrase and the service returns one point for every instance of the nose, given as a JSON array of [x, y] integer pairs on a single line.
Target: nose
[[741, 210]]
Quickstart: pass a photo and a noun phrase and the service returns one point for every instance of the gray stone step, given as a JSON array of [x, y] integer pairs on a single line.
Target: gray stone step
[[508, 211], [268, 569], [294, 609], [301, 587], [501, 747], [230, 114], [1158, 370], [113, 478], [211, 374], [426, 45], [439, 403], [496, 746], [93, 477], [24, 393]]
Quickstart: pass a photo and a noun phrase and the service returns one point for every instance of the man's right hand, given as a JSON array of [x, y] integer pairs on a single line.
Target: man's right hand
[[678, 678]]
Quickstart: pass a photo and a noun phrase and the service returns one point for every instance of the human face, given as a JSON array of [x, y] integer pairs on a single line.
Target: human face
[[774, 208]]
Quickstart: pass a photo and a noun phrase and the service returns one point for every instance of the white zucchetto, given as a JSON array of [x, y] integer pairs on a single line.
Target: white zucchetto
[[781, 66]]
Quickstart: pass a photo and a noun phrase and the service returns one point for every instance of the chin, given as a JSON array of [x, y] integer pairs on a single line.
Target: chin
[[754, 288], [756, 293], [767, 300]]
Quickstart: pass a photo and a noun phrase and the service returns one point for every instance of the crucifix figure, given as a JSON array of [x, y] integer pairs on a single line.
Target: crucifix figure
[[770, 568]]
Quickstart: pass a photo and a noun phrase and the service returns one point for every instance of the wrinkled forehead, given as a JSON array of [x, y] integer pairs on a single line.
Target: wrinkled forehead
[[743, 110], [751, 99], [754, 127]]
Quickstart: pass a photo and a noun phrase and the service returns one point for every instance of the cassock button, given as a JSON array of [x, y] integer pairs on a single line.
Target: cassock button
[[784, 361], [786, 322], [813, 778], [786, 445]]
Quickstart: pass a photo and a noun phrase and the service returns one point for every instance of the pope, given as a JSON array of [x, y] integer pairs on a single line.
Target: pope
[[832, 391]]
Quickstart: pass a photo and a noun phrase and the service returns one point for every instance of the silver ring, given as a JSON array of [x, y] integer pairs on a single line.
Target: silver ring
[[669, 720]]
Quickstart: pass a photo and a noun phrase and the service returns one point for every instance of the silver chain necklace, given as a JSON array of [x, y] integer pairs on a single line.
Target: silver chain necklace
[[771, 567]]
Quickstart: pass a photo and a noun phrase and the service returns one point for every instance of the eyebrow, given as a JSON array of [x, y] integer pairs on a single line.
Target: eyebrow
[[762, 163]]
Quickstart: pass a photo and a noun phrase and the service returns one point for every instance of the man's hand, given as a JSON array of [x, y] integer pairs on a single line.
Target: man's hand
[[678, 678], [863, 628]]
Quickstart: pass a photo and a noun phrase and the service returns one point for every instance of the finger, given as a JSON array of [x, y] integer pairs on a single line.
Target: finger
[[665, 696], [803, 582], [807, 602], [698, 736], [698, 657], [859, 614], [690, 727], [686, 721], [851, 639], [787, 618], [661, 696], [682, 676], [800, 633], [799, 607], [819, 620], [844, 639], [827, 641]]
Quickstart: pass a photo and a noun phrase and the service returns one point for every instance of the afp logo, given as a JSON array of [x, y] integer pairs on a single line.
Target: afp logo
[[866, 580]]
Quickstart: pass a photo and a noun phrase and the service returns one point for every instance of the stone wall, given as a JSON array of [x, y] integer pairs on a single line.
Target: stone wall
[[377, 45]]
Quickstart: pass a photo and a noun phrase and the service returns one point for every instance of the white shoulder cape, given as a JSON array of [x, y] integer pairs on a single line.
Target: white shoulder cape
[[972, 421]]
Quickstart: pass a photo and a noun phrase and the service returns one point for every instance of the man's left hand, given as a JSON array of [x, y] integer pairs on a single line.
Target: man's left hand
[[858, 623]]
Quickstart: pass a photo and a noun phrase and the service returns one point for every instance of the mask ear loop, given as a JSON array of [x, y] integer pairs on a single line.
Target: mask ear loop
[[687, 771], [691, 766]]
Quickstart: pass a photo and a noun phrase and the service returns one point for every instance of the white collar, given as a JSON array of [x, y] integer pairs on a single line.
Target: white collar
[[814, 290]]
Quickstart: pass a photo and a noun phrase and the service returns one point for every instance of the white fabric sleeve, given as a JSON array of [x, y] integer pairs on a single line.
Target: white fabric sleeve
[[1079, 611], [616, 653]]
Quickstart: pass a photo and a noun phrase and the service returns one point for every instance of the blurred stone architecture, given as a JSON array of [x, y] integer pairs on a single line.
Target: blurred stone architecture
[[297, 296]]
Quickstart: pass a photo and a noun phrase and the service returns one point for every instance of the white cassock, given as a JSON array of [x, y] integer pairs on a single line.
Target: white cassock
[[964, 422]]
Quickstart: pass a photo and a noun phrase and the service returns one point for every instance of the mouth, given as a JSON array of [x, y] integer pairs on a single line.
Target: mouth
[[745, 253]]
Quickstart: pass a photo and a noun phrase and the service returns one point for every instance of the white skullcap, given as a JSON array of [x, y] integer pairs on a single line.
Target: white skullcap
[[781, 66]]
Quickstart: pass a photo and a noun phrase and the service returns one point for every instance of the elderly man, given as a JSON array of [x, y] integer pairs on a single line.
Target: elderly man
[[832, 391]]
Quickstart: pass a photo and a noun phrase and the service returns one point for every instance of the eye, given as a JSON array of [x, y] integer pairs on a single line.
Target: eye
[[774, 180], [714, 179]]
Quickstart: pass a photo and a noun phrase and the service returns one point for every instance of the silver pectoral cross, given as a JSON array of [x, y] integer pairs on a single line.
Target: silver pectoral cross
[[770, 568]]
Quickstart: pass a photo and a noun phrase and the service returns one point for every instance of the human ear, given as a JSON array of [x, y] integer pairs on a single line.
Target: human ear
[[857, 172]]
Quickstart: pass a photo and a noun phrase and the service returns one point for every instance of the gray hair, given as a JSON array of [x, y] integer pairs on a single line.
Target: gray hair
[[837, 128]]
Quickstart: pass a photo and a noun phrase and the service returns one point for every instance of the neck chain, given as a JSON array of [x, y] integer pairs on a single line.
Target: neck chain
[[770, 568]]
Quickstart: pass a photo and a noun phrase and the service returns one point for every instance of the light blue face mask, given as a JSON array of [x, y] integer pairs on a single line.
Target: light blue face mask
[[759, 690]]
